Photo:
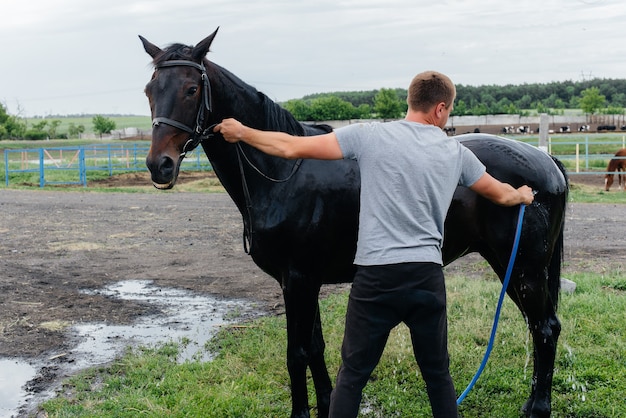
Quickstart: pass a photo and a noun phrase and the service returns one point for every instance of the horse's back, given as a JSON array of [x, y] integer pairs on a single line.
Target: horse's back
[[476, 224], [311, 129], [517, 163]]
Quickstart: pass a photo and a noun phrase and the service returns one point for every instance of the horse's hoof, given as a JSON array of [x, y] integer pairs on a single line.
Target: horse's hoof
[[531, 410]]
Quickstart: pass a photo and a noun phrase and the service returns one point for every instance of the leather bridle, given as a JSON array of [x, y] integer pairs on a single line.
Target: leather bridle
[[198, 134]]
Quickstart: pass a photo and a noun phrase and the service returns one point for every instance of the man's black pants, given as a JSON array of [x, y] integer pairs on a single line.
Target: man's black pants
[[381, 297]]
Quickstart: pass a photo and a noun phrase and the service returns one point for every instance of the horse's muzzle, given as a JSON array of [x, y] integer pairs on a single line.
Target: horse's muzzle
[[163, 171]]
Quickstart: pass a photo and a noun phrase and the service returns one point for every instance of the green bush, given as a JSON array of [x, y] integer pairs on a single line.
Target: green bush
[[35, 135]]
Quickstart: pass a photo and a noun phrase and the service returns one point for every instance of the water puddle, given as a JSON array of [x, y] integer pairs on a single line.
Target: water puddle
[[185, 317], [13, 374]]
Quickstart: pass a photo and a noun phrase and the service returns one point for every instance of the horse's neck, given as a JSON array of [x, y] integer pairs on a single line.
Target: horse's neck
[[235, 98], [236, 164]]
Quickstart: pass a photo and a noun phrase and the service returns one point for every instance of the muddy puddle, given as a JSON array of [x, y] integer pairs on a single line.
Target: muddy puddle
[[184, 317]]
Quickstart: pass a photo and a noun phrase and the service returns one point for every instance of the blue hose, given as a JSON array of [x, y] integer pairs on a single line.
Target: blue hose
[[496, 318]]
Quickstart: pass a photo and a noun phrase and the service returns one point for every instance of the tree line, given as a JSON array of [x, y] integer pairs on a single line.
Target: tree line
[[607, 96], [14, 127]]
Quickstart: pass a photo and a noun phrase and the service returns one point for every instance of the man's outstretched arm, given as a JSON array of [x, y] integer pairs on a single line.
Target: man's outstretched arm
[[280, 144]]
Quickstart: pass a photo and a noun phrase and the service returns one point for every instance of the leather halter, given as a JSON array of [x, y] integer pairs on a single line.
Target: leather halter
[[198, 134]]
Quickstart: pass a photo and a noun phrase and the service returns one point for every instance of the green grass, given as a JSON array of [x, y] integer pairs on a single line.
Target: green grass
[[248, 378], [582, 193], [140, 122], [563, 146]]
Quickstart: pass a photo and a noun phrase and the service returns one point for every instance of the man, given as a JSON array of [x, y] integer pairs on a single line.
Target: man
[[409, 171]]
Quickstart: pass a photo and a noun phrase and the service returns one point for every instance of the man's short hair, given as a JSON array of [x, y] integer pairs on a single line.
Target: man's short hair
[[428, 89]]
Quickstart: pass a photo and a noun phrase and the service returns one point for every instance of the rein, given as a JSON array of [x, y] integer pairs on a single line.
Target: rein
[[294, 169], [198, 134], [241, 157]]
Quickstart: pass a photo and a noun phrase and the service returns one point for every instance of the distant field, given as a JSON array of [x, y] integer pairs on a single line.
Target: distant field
[[140, 122], [560, 144]]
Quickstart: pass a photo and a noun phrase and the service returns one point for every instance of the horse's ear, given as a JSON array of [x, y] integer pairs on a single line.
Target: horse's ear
[[200, 50], [150, 48]]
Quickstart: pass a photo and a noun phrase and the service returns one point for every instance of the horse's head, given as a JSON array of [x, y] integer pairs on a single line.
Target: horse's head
[[180, 100]]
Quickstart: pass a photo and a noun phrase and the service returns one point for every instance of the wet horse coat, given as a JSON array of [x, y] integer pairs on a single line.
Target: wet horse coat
[[618, 165], [300, 217]]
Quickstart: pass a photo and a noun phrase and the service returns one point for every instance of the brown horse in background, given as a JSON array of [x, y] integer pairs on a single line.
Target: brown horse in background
[[618, 165]]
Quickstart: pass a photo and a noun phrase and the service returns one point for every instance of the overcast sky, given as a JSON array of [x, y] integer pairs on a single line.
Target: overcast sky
[[84, 57]]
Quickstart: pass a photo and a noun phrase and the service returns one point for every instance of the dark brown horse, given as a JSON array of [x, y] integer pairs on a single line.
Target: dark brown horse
[[618, 165], [300, 217]]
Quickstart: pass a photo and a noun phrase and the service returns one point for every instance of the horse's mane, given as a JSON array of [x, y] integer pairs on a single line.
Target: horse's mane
[[276, 118]]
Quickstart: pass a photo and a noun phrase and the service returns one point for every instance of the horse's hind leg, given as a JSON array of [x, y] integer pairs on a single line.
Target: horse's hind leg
[[534, 291], [534, 288], [545, 328]]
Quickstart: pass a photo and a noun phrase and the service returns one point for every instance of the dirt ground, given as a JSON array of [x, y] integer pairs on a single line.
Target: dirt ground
[[53, 245]]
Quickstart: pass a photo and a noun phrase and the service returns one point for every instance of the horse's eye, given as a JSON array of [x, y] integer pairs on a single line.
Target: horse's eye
[[192, 90]]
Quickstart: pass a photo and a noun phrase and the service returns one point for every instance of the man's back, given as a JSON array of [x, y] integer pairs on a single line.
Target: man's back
[[409, 172]]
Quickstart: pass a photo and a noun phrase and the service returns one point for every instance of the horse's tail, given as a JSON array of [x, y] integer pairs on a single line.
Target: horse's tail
[[556, 261], [554, 269], [559, 164]]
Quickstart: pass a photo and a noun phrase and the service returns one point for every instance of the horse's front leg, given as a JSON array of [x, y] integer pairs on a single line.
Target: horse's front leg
[[319, 370], [305, 345]]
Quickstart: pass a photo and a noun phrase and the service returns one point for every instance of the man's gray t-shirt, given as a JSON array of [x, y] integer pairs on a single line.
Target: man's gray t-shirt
[[409, 172]]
